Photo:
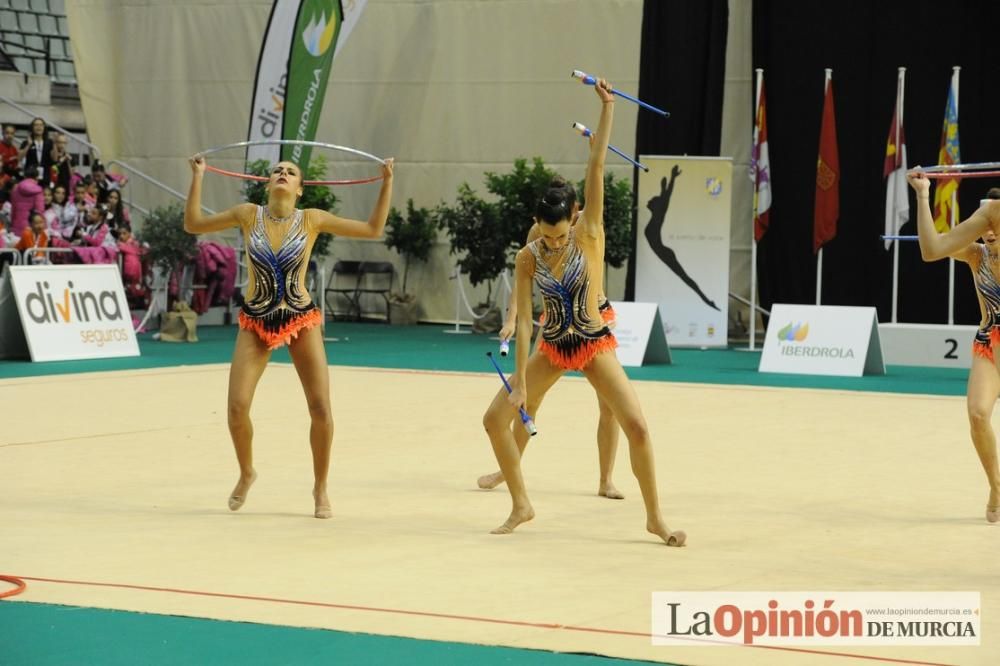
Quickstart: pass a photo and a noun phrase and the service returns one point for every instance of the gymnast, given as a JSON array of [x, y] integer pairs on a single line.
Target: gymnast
[[574, 337], [984, 376], [607, 426], [278, 309]]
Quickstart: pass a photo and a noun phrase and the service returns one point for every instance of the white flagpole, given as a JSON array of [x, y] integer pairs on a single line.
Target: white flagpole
[[819, 255], [900, 85], [753, 230], [953, 215], [819, 275]]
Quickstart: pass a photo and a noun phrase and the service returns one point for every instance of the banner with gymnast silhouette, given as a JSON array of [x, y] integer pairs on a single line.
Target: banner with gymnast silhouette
[[682, 248]]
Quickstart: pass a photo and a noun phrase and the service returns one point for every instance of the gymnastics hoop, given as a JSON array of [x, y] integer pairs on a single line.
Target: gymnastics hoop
[[291, 142], [971, 170], [19, 586]]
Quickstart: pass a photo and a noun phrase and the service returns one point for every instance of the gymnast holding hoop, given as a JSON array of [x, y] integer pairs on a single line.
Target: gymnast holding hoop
[[563, 262], [984, 375], [278, 309]]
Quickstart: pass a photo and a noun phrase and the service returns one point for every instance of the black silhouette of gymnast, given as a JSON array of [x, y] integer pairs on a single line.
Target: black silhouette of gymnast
[[658, 207]]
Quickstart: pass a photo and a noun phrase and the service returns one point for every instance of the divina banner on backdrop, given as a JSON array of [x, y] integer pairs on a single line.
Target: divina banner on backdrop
[[300, 43], [682, 246]]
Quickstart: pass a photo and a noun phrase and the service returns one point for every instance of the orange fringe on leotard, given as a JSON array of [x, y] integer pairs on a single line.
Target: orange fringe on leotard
[[283, 329], [986, 349], [578, 354]]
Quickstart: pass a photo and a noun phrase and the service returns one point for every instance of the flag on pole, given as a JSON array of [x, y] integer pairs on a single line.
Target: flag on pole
[[827, 206], [760, 170], [300, 42], [897, 202], [948, 154]]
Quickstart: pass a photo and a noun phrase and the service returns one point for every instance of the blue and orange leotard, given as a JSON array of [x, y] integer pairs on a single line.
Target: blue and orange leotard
[[988, 335], [278, 306], [571, 338]]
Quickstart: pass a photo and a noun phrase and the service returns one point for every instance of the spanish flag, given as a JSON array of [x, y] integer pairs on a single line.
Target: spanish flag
[[948, 154]]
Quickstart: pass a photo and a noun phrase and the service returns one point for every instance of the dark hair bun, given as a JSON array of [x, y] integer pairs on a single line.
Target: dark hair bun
[[557, 203]]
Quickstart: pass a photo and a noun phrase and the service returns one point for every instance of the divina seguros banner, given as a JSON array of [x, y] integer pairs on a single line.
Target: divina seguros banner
[[300, 42], [67, 312]]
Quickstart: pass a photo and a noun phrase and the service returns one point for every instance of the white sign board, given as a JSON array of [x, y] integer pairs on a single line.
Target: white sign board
[[932, 345], [682, 246], [639, 332], [822, 340], [72, 312]]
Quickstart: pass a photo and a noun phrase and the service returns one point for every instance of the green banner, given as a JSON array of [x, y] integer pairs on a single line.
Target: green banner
[[313, 47]]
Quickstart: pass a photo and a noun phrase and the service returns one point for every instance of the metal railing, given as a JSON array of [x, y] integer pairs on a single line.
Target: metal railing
[[132, 171], [92, 150], [16, 256]]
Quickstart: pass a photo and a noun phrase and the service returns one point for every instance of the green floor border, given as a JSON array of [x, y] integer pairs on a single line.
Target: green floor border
[[49, 635], [430, 347]]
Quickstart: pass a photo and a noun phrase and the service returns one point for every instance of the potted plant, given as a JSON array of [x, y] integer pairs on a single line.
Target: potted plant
[[170, 248], [475, 228], [412, 237]]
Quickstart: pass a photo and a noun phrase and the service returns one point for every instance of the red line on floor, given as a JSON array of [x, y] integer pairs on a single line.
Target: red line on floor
[[468, 618]]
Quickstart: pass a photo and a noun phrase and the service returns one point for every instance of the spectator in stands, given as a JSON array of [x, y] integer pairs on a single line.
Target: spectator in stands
[[10, 157], [133, 271], [36, 151], [118, 213], [49, 213], [24, 198], [60, 204], [34, 237], [61, 173], [103, 182]]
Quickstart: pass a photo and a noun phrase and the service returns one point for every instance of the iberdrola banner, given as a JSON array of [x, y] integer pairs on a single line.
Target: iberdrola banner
[[300, 43]]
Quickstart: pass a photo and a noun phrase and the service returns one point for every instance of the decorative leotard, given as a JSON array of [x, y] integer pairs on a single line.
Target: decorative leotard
[[570, 337], [988, 334], [279, 307]]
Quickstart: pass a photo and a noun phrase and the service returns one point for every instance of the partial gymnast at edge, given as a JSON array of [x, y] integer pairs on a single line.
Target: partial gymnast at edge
[[984, 375]]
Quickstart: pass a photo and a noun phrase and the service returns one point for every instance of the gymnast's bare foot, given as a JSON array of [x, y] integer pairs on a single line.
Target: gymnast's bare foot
[[490, 481], [993, 506], [607, 489], [323, 509], [517, 516], [660, 529], [239, 494]]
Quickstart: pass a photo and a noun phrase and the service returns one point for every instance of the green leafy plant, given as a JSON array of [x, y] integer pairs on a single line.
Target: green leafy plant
[[169, 245], [474, 228], [313, 196], [518, 192], [412, 237]]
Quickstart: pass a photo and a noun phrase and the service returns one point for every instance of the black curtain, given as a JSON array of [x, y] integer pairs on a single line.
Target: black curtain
[[865, 42], [682, 69]]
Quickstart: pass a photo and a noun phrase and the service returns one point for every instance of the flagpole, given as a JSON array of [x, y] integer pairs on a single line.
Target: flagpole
[[753, 231], [900, 89], [819, 255], [952, 215]]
